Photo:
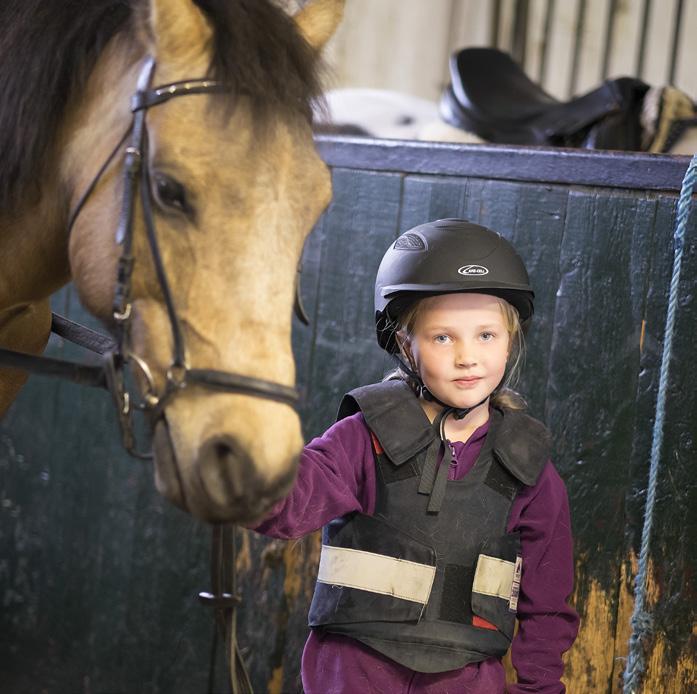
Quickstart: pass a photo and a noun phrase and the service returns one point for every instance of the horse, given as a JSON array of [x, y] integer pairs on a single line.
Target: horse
[[232, 183]]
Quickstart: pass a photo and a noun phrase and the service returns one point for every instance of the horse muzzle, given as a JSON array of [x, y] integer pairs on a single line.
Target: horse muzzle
[[223, 483]]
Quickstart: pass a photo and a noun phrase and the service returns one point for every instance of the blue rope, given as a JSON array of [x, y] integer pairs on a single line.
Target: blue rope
[[641, 622]]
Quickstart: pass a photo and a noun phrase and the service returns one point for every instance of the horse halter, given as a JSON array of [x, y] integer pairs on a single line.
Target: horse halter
[[179, 374]]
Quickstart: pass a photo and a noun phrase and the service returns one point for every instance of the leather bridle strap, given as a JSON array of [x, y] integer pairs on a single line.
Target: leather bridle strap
[[179, 374], [95, 180], [225, 600], [80, 373]]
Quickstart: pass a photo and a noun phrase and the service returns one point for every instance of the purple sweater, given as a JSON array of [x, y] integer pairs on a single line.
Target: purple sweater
[[337, 476]]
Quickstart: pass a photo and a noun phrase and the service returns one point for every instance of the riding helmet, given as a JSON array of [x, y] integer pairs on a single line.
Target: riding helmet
[[447, 255]]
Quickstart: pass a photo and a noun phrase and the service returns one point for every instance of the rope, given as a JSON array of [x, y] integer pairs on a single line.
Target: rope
[[641, 622]]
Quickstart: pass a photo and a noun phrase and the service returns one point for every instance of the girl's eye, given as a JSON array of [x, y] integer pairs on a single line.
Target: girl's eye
[[441, 339], [170, 194], [487, 336]]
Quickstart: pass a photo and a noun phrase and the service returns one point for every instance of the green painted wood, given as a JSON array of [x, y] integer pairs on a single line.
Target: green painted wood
[[98, 575], [594, 365], [362, 222], [675, 529], [101, 573], [673, 562]]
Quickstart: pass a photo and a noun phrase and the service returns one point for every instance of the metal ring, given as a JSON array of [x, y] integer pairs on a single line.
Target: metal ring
[[150, 395], [176, 375], [151, 401], [124, 315]]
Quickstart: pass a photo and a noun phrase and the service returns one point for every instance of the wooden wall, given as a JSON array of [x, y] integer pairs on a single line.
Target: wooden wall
[[98, 575], [404, 45]]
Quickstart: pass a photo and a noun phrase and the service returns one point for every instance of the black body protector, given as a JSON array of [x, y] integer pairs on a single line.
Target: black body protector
[[432, 590]]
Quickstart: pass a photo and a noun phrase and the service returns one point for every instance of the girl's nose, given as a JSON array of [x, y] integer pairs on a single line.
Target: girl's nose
[[465, 356]]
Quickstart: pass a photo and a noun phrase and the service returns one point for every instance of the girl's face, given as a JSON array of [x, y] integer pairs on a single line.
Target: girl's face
[[460, 345]]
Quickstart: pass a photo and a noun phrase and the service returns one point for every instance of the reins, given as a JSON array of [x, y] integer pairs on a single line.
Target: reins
[[225, 600]]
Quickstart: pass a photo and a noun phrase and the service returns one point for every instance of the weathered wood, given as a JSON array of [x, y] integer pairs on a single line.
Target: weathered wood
[[509, 163], [99, 575], [590, 402], [673, 566]]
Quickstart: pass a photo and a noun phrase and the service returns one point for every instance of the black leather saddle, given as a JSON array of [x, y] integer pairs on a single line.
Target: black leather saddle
[[490, 96]]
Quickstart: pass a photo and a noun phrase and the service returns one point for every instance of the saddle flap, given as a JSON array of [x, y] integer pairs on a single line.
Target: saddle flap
[[490, 83]]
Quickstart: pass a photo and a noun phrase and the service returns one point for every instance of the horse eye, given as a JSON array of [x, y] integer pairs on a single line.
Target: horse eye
[[170, 194]]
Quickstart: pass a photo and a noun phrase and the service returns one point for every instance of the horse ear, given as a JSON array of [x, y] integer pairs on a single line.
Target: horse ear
[[179, 32], [318, 20]]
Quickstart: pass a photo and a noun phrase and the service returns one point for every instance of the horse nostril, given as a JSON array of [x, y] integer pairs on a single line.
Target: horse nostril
[[228, 484], [225, 470], [223, 450]]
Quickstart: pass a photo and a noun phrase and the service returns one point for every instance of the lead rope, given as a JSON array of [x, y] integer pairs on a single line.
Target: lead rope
[[641, 621]]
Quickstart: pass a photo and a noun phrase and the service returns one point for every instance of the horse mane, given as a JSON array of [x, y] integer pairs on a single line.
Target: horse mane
[[49, 47]]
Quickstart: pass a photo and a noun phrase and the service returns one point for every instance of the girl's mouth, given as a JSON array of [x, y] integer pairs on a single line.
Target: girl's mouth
[[468, 382]]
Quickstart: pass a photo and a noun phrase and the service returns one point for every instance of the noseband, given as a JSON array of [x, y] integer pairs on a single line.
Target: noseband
[[179, 374]]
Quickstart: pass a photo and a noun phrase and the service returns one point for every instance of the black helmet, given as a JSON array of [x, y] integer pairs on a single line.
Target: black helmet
[[448, 255]]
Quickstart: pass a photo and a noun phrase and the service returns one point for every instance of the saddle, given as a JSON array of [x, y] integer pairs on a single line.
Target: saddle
[[491, 96]]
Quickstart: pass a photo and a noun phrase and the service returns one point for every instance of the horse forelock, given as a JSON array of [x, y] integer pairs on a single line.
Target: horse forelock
[[48, 50], [260, 53]]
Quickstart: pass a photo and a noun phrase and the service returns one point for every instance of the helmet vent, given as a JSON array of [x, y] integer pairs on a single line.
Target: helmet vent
[[409, 242]]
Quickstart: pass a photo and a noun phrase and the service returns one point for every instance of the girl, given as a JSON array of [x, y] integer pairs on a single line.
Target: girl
[[443, 518]]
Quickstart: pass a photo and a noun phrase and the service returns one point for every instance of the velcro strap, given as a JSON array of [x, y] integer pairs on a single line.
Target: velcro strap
[[376, 573], [494, 577]]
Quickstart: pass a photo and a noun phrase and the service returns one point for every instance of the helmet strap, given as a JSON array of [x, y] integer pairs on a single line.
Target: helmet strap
[[438, 456], [423, 392]]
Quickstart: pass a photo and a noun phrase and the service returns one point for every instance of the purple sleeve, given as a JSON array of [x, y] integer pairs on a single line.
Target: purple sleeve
[[336, 475], [547, 624]]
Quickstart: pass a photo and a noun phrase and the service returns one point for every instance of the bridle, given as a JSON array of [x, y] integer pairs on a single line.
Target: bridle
[[117, 353], [179, 374]]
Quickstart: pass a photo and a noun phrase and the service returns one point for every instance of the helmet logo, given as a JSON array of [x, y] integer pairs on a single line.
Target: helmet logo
[[409, 242], [473, 270]]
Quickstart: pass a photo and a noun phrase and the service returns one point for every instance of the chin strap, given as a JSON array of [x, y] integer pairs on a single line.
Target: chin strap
[[423, 392], [439, 454]]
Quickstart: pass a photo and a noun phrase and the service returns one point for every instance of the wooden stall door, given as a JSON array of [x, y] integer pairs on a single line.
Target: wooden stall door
[[99, 575]]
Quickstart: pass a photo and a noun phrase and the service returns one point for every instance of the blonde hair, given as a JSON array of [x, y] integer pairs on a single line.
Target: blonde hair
[[505, 395]]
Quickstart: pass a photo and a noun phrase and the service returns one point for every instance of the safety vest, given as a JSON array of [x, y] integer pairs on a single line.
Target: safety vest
[[432, 591]]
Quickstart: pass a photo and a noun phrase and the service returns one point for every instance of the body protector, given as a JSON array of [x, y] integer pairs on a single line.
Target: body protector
[[431, 590]]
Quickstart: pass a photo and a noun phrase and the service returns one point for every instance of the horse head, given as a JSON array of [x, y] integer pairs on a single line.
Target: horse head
[[235, 187]]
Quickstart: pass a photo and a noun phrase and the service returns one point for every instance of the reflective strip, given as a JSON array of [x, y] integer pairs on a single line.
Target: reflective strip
[[493, 576], [377, 573]]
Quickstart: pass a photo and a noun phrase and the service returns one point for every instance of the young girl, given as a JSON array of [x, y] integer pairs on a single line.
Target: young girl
[[443, 518]]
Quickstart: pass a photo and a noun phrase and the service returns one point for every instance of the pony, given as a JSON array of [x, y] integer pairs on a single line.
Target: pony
[[235, 185]]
